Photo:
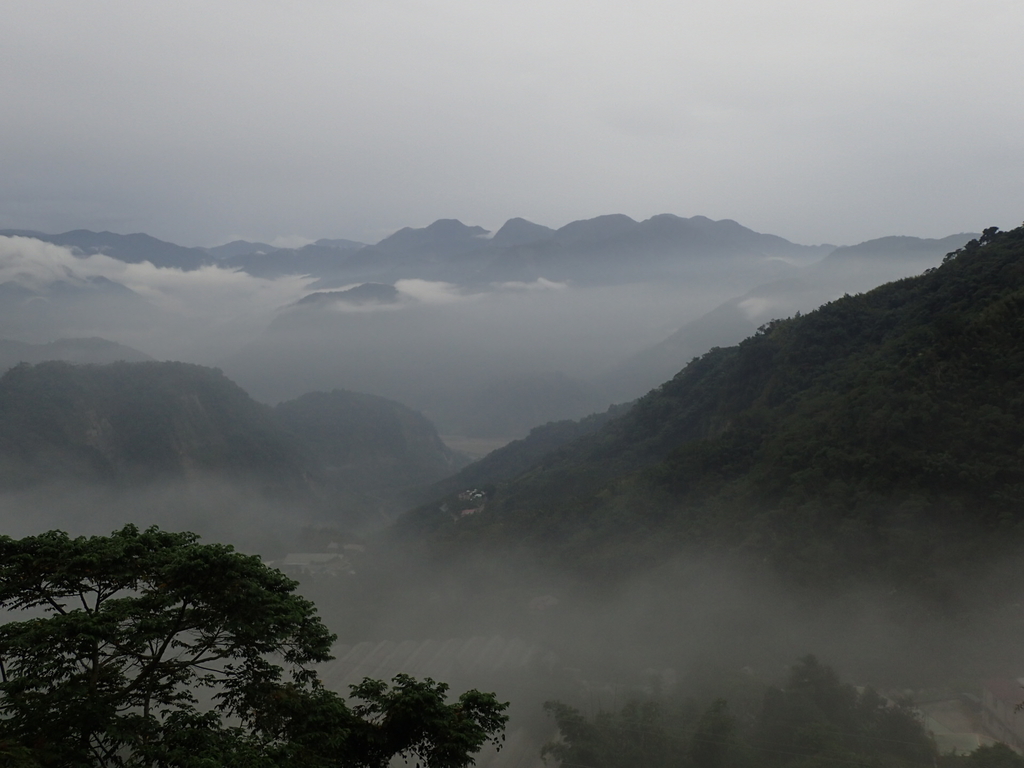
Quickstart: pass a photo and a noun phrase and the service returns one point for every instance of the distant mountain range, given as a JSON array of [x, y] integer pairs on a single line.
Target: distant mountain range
[[603, 250], [132, 249]]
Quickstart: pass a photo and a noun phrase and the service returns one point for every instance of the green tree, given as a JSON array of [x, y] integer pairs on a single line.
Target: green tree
[[149, 648]]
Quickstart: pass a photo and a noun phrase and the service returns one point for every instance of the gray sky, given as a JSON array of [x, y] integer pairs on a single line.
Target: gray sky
[[818, 120]]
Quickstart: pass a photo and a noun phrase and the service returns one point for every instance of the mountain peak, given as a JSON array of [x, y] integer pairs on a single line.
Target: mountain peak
[[519, 231]]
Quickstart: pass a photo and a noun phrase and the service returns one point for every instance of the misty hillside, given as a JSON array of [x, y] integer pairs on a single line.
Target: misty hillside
[[127, 423], [511, 460], [879, 435], [367, 443], [89, 350], [848, 269], [132, 248]]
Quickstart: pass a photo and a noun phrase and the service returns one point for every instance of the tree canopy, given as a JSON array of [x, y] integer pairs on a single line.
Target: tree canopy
[[813, 720], [149, 648]]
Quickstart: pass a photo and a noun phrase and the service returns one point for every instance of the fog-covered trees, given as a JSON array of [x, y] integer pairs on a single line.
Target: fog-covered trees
[[814, 719], [149, 648]]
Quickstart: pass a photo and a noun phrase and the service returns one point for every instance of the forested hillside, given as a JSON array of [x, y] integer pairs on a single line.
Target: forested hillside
[[879, 435], [366, 450], [126, 425]]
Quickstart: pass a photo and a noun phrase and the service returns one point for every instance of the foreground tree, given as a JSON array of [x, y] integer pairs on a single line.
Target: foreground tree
[[149, 648]]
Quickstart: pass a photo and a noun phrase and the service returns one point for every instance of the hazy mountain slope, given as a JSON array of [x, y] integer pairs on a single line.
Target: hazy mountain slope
[[238, 248], [130, 423], [364, 293], [37, 311], [443, 237], [130, 426], [318, 260], [513, 459], [848, 269], [519, 231], [899, 248], [91, 350], [879, 434], [615, 248], [602, 250], [133, 248], [340, 243], [366, 443]]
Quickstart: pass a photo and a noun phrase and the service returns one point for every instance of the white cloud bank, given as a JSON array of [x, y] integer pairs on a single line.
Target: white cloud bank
[[202, 309]]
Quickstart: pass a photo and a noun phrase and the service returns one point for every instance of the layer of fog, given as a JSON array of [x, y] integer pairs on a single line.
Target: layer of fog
[[702, 625], [696, 617], [219, 511]]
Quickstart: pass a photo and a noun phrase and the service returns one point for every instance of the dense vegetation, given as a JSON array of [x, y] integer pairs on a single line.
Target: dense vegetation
[[880, 434], [812, 719], [520, 455]]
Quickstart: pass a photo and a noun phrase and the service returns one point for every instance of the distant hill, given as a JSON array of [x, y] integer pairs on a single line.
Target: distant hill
[[366, 293], [344, 455], [521, 232], [615, 248], [899, 248], [509, 461], [132, 249], [90, 350], [340, 243], [317, 260], [368, 444], [878, 436], [131, 423], [443, 237], [64, 303], [239, 248]]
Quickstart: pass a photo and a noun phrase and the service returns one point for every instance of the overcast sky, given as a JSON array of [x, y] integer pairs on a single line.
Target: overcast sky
[[818, 120]]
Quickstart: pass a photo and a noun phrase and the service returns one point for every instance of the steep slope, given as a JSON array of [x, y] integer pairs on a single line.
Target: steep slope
[[511, 460], [519, 231], [881, 434], [848, 269]]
